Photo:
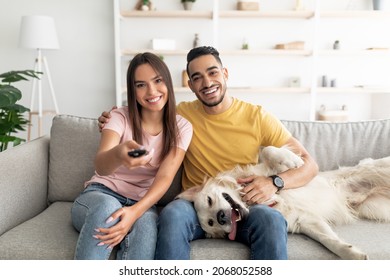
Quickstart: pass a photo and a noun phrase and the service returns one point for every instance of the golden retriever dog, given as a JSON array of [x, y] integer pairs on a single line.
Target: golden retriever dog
[[332, 197]]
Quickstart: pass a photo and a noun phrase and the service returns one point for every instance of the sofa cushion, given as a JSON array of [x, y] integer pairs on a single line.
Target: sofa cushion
[[301, 247], [218, 249], [342, 144], [371, 237], [23, 182], [73, 145], [48, 236]]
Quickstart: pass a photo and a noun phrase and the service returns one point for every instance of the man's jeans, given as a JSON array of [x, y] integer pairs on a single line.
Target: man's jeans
[[264, 231], [91, 210]]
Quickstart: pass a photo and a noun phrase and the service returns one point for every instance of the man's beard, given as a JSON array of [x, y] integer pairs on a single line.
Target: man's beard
[[213, 104]]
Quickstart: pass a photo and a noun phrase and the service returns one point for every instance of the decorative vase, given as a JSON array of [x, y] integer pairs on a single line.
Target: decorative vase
[[187, 5], [336, 45], [196, 42], [378, 4]]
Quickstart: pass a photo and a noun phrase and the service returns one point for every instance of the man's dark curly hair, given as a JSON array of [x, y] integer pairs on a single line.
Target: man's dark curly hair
[[203, 50]]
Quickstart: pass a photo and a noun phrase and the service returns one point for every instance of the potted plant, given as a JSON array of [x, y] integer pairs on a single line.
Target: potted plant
[[144, 5], [187, 4], [12, 117]]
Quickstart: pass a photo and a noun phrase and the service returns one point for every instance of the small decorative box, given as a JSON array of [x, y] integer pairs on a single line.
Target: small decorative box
[[247, 6]]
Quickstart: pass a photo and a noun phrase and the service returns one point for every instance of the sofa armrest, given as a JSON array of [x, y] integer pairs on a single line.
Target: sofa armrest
[[23, 183]]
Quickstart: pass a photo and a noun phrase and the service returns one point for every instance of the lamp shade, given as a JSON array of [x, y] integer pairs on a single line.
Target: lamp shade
[[38, 32]]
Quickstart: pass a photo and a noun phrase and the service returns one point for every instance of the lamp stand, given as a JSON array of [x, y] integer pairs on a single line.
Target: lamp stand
[[39, 61]]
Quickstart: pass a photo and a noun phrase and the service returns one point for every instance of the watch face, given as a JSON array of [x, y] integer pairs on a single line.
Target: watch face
[[278, 182]]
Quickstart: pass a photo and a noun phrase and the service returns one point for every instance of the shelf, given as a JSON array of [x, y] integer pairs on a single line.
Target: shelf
[[256, 14], [355, 14], [129, 52], [270, 90], [259, 90], [264, 52], [342, 90], [222, 14], [355, 52], [267, 14], [267, 52], [298, 90], [167, 14]]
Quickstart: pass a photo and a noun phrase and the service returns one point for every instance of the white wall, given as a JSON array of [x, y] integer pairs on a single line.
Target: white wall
[[82, 69]]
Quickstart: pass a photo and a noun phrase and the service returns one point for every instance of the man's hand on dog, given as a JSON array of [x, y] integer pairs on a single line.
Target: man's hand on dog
[[257, 189]]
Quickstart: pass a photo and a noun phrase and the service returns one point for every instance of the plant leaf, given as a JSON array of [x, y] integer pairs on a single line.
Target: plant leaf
[[9, 95], [12, 117], [18, 108], [16, 76]]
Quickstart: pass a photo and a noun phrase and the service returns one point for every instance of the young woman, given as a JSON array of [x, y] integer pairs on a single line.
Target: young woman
[[117, 205]]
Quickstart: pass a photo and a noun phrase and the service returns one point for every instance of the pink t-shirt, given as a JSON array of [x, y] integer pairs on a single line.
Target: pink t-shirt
[[134, 183]]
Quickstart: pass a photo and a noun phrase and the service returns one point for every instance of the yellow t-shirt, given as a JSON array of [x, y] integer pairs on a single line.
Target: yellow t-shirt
[[222, 141]]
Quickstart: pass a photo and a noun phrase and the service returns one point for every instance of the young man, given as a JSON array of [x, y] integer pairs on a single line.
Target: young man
[[227, 132]]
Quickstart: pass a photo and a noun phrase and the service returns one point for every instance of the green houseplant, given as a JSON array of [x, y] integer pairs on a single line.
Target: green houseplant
[[12, 118]]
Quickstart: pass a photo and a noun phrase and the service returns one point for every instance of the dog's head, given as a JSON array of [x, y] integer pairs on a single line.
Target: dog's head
[[218, 205]]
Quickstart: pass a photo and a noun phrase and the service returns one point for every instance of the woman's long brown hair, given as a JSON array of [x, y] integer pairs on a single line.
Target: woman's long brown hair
[[170, 130]]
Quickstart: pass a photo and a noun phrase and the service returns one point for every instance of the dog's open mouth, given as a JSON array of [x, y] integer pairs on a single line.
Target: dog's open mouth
[[236, 215]]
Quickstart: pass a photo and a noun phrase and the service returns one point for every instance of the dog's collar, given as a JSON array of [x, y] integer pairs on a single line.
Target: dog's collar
[[272, 204]]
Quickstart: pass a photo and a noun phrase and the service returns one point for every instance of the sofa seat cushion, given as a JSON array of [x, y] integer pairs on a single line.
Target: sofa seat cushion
[[371, 237], [48, 236], [218, 249]]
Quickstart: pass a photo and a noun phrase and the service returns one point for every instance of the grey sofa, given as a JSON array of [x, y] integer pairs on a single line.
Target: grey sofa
[[41, 178]]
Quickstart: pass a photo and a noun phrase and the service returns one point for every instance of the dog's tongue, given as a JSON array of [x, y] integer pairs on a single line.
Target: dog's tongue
[[233, 231]]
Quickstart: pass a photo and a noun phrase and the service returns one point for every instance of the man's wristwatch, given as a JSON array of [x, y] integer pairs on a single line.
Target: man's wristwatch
[[278, 182]]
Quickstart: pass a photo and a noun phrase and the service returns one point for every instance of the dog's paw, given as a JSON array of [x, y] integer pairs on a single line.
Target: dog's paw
[[353, 253], [280, 159]]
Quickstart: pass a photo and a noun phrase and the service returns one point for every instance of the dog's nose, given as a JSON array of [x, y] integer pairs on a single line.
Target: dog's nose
[[221, 217]]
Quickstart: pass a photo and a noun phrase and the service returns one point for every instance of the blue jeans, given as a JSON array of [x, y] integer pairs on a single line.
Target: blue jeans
[[91, 210], [264, 231]]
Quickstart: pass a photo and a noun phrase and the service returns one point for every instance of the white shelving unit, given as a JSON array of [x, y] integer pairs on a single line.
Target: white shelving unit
[[213, 20], [366, 55]]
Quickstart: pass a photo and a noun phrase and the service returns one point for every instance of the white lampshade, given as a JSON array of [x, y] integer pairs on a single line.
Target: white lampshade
[[38, 32]]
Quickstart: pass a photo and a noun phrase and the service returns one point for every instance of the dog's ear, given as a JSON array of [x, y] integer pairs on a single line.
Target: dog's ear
[[190, 194]]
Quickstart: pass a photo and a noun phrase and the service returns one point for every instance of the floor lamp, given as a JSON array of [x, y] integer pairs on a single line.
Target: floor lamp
[[39, 32]]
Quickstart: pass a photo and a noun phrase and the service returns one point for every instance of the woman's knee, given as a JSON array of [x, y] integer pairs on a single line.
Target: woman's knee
[[94, 206]]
